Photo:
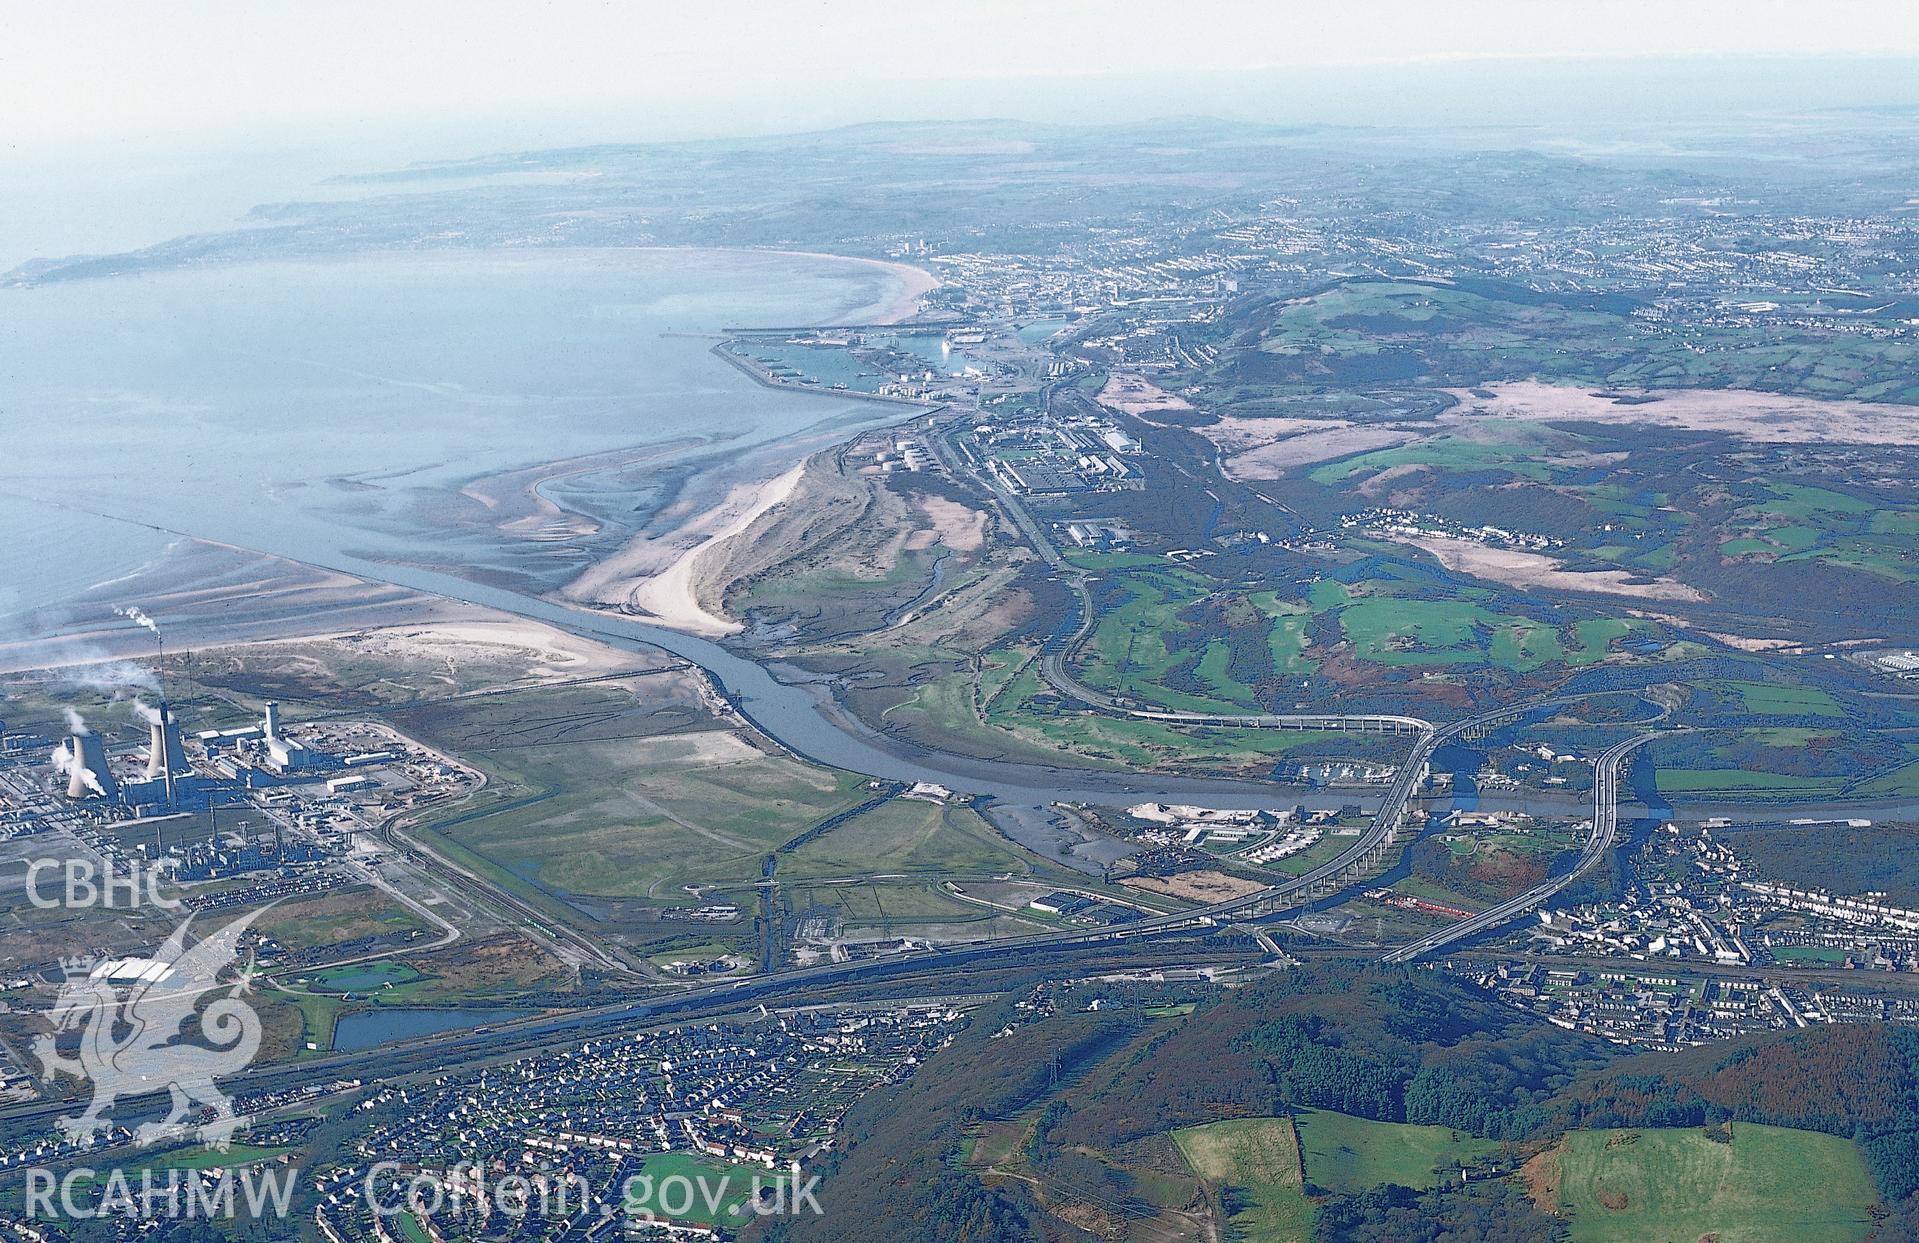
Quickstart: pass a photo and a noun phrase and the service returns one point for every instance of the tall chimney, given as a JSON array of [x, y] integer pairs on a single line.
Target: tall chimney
[[273, 720]]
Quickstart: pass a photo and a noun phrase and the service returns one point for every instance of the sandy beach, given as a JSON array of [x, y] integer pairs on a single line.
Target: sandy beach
[[213, 596], [915, 284], [903, 303], [540, 652], [672, 596], [658, 574]]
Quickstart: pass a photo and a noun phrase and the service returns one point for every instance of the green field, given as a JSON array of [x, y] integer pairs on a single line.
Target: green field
[[1901, 780], [1404, 620], [196, 1157], [1733, 781], [1594, 637], [1770, 1185], [1007, 711], [1793, 522], [1774, 700], [1815, 955], [1520, 457], [411, 1231], [1259, 1157], [1800, 501], [908, 908], [362, 977], [1403, 631], [1327, 847], [319, 1013], [190, 1157], [1179, 1011], [908, 835], [642, 818], [336, 917], [730, 1187], [1135, 743], [1826, 756], [1464, 336], [1288, 640], [1349, 1155], [1146, 606]]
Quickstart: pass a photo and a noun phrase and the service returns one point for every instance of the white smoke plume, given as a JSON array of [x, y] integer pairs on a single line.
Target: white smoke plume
[[133, 614], [146, 712], [72, 659], [76, 724], [65, 762], [112, 675]]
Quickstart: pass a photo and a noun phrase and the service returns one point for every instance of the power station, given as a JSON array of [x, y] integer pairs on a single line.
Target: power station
[[276, 803], [248, 757], [165, 790]]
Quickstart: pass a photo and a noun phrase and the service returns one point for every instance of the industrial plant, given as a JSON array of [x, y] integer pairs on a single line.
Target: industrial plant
[[165, 781], [256, 797]]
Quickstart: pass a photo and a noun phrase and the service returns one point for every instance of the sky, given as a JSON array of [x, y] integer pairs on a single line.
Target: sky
[[204, 70], [123, 121]]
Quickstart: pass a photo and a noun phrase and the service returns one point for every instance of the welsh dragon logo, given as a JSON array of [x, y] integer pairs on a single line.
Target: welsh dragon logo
[[135, 1037]]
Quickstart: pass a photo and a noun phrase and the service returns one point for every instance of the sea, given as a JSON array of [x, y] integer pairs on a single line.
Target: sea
[[332, 410]]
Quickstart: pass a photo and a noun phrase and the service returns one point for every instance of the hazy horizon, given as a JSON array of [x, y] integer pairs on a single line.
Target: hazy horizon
[[216, 68], [107, 194], [128, 126]]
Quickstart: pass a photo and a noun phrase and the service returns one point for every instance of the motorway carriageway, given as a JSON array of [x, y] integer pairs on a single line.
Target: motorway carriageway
[[1605, 830], [581, 1024]]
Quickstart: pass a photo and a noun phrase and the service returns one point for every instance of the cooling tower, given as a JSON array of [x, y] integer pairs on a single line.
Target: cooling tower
[[76, 766], [272, 730], [165, 757], [88, 772]]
